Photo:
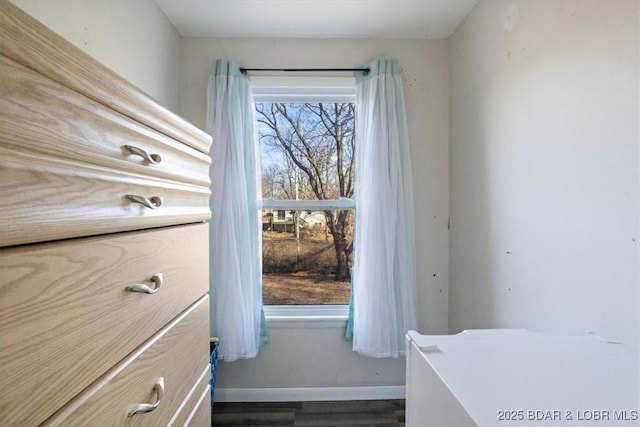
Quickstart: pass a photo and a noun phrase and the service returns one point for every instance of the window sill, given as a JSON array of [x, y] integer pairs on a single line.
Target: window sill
[[306, 316]]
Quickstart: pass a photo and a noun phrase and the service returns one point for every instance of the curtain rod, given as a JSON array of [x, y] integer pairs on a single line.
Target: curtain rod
[[363, 70]]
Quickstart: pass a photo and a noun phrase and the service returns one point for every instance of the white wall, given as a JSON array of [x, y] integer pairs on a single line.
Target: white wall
[[133, 38], [320, 357], [544, 167]]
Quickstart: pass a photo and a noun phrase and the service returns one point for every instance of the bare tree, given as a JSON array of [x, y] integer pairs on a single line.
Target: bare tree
[[317, 142]]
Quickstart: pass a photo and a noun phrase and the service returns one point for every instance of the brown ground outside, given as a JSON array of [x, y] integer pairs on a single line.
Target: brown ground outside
[[300, 274], [303, 288]]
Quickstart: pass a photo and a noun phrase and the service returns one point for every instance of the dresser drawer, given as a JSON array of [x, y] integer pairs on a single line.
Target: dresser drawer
[[176, 357], [67, 164], [201, 416], [28, 42], [66, 316], [46, 119], [191, 404], [49, 199]]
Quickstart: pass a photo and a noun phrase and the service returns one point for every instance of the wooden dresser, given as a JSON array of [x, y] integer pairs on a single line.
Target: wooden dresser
[[104, 271]]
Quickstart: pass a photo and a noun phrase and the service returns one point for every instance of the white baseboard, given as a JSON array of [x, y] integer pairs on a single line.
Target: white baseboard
[[304, 394]]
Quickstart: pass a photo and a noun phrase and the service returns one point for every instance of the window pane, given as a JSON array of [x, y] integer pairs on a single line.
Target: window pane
[[301, 266], [306, 150]]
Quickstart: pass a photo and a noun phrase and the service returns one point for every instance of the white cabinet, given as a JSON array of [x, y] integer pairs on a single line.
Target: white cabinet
[[517, 377]]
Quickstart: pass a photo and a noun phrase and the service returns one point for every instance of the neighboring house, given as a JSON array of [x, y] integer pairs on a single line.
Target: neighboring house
[[282, 221]]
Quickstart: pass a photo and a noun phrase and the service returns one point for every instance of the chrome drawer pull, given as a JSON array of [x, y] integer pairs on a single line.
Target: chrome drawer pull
[[154, 159], [157, 281], [152, 203], [158, 387]]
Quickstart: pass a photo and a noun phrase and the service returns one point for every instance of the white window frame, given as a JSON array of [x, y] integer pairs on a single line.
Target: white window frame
[[301, 89]]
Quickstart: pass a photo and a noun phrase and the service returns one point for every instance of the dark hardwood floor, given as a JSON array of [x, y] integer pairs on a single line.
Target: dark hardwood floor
[[378, 413]]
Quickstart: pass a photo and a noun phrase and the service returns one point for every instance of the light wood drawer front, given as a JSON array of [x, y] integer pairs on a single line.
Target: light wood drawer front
[[191, 403], [201, 417], [30, 43], [66, 317], [178, 355], [41, 117], [44, 200]]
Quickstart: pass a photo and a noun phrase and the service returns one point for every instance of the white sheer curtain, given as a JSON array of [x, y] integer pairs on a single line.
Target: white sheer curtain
[[384, 295], [236, 269]]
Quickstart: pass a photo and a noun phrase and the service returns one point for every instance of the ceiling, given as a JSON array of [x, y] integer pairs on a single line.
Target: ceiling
[[407, 19]]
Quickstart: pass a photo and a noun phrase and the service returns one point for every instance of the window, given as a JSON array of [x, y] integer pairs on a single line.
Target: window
[[306, 135]]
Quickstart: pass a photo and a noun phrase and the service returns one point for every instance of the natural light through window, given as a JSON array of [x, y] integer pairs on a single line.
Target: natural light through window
[[307, 162]]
